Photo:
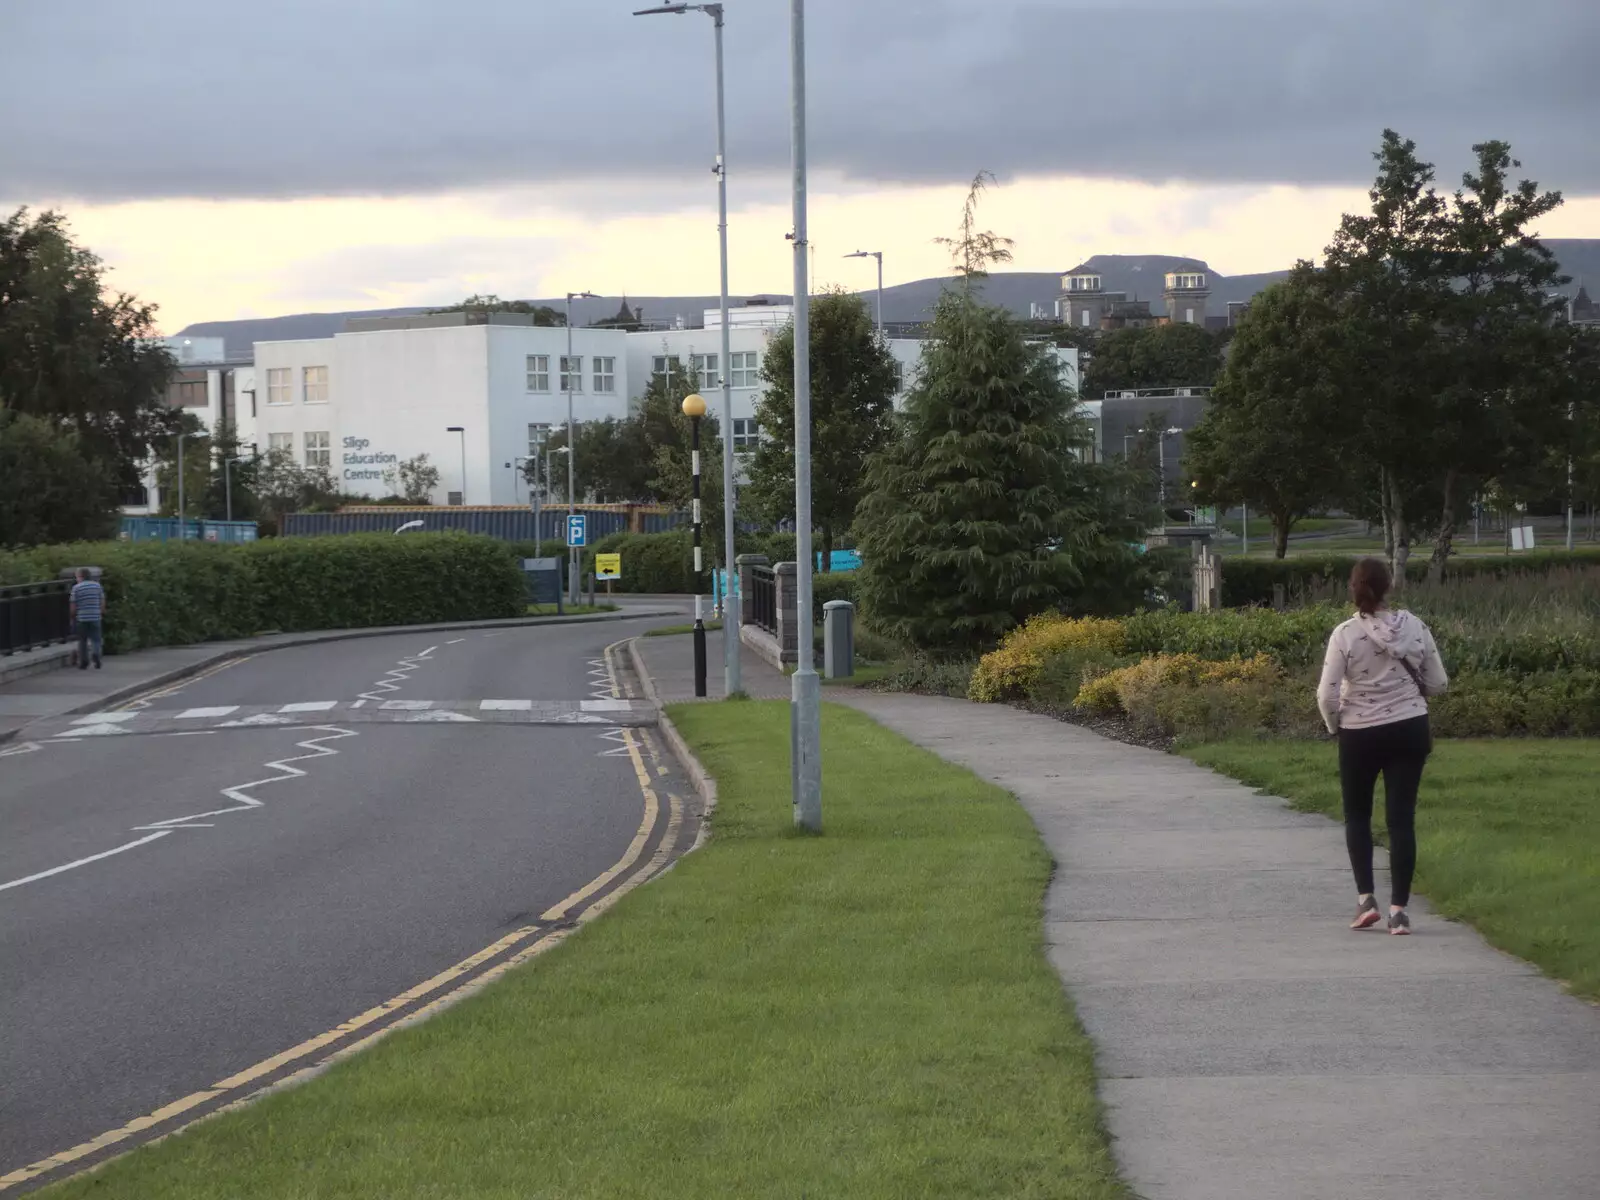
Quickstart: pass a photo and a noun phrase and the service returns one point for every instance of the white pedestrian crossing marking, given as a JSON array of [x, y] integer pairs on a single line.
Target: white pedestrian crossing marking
[[93, 731], [605, 705], [438, 716], [258, 719], [310, 706], [105, 718], [505, 705], [220, 710], [406, 705]]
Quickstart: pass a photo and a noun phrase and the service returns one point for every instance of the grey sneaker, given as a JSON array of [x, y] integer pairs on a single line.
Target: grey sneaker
[[1367, 915], [1399, 922]]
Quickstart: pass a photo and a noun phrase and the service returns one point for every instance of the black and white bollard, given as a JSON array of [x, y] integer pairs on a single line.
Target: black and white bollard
[[694, 407]]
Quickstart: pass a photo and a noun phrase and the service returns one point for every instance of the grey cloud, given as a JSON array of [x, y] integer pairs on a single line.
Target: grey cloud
[[107, 100]]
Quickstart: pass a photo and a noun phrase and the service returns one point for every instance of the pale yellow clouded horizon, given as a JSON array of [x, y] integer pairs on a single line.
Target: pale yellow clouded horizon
[[203, 260]]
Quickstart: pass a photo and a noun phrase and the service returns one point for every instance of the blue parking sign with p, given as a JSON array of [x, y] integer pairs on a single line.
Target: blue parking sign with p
[[577, 529]]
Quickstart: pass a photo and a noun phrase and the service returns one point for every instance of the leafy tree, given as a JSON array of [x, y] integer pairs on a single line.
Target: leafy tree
[[1159, 356], [76, 354], [981, 513], [542, 314], [853, 382], [199, 458], [1270, 435], [49, 490], [416, 478], [1385, 276], [1498, 404]]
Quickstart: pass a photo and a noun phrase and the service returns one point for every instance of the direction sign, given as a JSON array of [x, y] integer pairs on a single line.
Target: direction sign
[[608, 566], [577, 529]]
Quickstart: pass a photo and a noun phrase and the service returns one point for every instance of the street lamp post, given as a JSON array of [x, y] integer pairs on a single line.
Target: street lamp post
[[877, 254], [227, 483], [730, 611], [694, 407], [806, 688], [573, 583], [461, 429]]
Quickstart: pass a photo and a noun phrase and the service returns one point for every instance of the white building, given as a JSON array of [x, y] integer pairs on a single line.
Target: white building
[[212, 389], [389, 389]]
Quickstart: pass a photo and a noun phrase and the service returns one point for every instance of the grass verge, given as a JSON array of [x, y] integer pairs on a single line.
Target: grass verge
[[569, 610], [863, 1014], [1508, 836], [673, 630]]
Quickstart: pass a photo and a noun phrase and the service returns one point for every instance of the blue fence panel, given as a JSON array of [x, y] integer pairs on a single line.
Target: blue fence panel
[[163, 529], [843, 560], [507, 524]]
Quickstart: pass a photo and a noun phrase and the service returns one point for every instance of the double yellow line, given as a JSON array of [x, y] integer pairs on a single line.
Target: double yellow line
[[384, 1018]]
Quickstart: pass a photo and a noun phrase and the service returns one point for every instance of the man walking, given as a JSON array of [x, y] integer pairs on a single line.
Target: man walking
[[88, 610]]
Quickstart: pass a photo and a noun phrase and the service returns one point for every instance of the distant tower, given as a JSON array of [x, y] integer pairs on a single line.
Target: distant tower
[[1084, 301], [1186, 294]]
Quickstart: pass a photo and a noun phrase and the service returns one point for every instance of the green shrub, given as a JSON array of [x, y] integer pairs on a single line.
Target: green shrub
[[654, 563], [1296, 638], [1549, 704], [832, 585], [379, 579], [929, 676], [1247, 581], [175, 593]]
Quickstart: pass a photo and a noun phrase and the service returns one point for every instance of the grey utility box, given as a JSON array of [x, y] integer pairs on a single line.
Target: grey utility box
[[543, 576], [838, 639]]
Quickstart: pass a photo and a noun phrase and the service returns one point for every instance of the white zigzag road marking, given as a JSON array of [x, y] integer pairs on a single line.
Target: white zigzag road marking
[[621, 748], [239, 793], [395, 677], [20, 748]]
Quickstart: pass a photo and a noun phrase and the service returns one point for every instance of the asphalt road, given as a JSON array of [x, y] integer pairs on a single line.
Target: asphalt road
[[138, 978]]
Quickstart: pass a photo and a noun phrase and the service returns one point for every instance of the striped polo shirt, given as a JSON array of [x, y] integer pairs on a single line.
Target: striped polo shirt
[[90, 599]]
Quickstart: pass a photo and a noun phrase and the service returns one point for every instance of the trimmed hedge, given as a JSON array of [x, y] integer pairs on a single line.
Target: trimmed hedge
[[1249, 581], [654, 563], [175, 593]]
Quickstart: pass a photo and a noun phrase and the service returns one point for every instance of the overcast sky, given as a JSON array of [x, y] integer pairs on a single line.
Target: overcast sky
[[107, 103]]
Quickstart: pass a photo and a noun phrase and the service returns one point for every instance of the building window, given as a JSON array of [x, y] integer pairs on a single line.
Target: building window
[[605, 374], [1086, 318], [704, 367], [1083, 283], [538, 372], [278, 385], [280, 441], [317, 452], [899, 375], [538, 435], [189, 393], [316, 384], [745, 368], [1188, 316], [1181, 283], [746, 434], [572, 373]]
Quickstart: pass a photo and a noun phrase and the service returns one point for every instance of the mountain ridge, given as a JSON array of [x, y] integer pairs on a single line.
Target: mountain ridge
[[1139, 275]]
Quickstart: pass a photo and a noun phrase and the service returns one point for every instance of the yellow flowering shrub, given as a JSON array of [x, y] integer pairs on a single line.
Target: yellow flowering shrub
[[1135, 688], [1008, 672]]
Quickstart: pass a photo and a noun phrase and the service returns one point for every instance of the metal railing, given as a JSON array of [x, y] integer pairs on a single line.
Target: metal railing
[[764, 599], [34, 615]]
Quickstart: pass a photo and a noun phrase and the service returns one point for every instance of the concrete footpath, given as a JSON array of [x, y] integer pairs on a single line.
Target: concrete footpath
[[668, 664], [1250, 1046], [70, 691]]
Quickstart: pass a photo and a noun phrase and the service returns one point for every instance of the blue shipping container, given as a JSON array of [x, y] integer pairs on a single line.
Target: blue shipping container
[[162, 529], [507, 524]]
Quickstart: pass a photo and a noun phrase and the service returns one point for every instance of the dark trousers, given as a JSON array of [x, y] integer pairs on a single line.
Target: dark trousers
[[88, 636], [1398, 751]]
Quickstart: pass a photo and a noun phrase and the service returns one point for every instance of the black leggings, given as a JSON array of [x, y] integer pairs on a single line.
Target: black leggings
[[1399, 750]]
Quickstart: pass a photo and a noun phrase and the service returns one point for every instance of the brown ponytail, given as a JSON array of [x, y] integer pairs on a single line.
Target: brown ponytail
[[1370, 582]]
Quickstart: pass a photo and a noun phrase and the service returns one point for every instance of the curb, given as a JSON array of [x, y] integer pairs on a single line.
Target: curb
[[336, 635], [704, 785]]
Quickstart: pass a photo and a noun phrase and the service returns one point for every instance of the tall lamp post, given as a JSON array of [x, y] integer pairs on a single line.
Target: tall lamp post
[[730, 611], [227, 483], [877, 254], [567, 377], [461, 429], [806, 688], [694, 407]]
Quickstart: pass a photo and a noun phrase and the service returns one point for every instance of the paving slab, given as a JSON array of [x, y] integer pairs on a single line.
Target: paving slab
[[1251, 1047]]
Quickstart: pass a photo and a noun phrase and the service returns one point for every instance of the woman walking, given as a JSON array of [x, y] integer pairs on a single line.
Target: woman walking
[[1380, 669]]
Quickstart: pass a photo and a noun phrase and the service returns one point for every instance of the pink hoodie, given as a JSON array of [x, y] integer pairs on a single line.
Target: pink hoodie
[[1363, 681]]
